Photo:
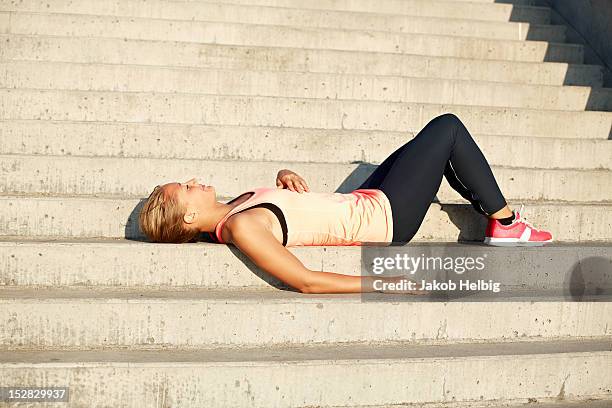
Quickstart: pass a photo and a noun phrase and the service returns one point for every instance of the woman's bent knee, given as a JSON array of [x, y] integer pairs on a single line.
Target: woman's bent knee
[[451, 118], [456, 126], [443, 127]]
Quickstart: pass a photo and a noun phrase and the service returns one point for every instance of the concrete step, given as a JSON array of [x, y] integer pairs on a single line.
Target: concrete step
[[211, 12], [184, 54], [137, 78], [67, 175], [538, 3], [81, 217], [574, 271], [137, 107], [37, 319], [449, 9], [283, 36], [421, 8], [248, 143], [466, 375]]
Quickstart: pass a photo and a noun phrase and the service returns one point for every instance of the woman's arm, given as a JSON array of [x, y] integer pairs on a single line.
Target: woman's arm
[[258, 243]]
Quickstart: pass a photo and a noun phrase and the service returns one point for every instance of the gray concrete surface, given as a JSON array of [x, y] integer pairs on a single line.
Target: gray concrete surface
[[120, 51], [283, 36], [57, 319], [280, 382], [259, 143], [133, 78]]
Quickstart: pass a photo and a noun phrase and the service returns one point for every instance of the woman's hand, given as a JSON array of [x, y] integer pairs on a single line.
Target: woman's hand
[[291, 180]]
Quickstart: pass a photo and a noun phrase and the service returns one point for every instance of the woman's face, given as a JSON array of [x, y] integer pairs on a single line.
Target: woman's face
[[192, 194]]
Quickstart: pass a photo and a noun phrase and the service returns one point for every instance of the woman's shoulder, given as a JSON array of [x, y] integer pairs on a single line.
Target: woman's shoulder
[[258, 217]]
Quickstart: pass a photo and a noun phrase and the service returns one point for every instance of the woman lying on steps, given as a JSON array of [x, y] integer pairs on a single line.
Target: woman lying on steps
[[387, 208]]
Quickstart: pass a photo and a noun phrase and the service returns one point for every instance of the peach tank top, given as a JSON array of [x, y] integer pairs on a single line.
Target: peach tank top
[[361, 216]]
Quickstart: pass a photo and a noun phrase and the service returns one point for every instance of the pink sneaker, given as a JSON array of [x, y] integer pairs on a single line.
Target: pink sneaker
[[519, 233]]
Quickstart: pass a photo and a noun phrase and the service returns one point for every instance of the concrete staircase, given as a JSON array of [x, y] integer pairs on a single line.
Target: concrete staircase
[[101, 100]]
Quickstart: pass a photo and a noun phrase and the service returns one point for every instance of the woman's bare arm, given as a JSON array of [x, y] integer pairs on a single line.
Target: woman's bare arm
[[260, 245]]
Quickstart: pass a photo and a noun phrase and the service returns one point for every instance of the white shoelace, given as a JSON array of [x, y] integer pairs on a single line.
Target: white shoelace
[[522, 220]]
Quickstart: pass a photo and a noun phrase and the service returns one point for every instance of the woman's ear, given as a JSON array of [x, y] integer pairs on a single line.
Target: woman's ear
[[189, 216]]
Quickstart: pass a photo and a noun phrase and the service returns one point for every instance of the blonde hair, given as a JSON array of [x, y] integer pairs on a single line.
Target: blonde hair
[[161, 219]]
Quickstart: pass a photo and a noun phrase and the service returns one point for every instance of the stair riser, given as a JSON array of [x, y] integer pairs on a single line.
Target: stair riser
[[189, 10], [537, 3], [476, 11], [303, 85], [572, 271], [291, 112], [80, 218], [214, 12], [115, 51], [137, 385], [115, 176], [259, 143], [279, 36], [190, 323]]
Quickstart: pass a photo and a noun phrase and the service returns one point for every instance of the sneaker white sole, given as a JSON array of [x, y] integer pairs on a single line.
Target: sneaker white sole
[[513, 242]]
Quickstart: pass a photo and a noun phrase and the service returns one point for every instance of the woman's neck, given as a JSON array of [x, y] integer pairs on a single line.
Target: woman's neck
[[217, 213]]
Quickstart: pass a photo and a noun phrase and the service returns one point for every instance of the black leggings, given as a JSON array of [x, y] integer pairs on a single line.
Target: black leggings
[[411, 176]]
